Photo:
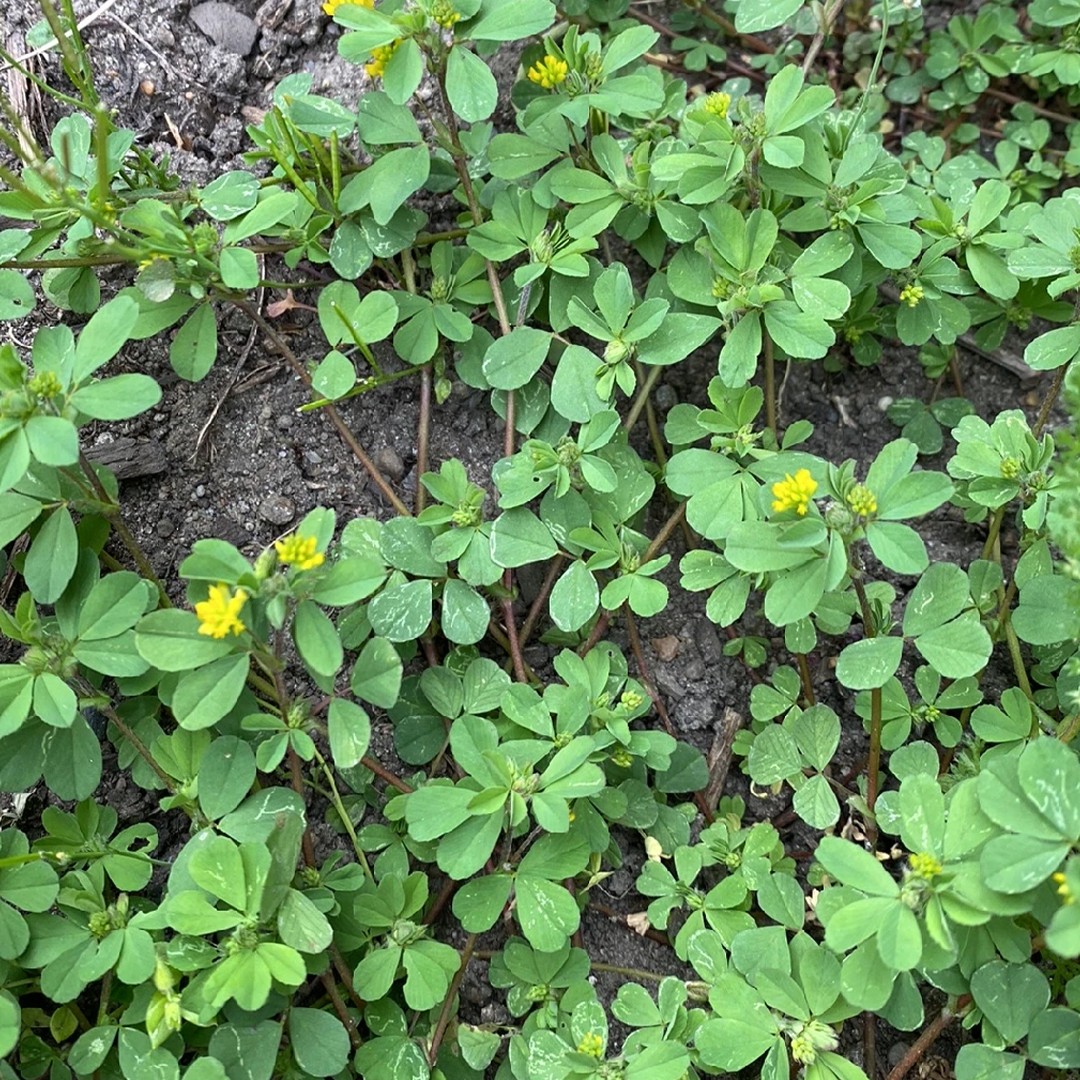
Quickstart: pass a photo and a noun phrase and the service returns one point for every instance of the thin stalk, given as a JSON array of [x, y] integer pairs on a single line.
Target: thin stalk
[[346, 821], [992, 534], [640, 399], [553, 570], [296, 776], [372, 382], [423, 434], [873, 764], [827, 16], [929, 1036], [633, 974], [1048, 401], [370, 467], [116, 520], [330, 986], [807, 681], [445, 1011], [770, 383], [1019, 668], [384, 774]]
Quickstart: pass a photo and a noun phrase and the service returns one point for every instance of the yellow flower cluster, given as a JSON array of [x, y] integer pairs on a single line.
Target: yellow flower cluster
[[794, 492], [1063, 889], [299, 551], [924, 866], [549, 72], [717, 104], [444, 14], [862, 500], [331, 6], [912, 294], [380, 57], [592, 1044], [219, 613]]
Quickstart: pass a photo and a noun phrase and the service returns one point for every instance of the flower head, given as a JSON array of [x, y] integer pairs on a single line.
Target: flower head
[[219, 613], [912, 294], [592, 1044], [924, 865], [862, 500], [380, 57], [299, 551], [717, 103], [794, 492], [549, 72], [444, 14], [1064, 890], [331, 6]]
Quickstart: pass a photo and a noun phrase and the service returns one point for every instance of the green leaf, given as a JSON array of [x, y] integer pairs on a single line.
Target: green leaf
[[16, 295], [898, 547], [402, 612], [546, 912], [17, 513], [194, 349], [1054, 1039], [349, 731], [317, 640], [470, 85], [870, 663], [319, 1041], [52, 558], [753, 16], [170, 640], [976, 1061], [465, 613], [575, 597], [104, 336], [229, 195], [53, 440], [247, 1051], [1015, 864], [73, 761], [854, 866], [959, 648], [377, 675], [202, 697], [1053, 349], [899, 938], [226, 774], [511, 361], [479, 903], [495, 21], [816, 803], [519, 537], [1010, 996]]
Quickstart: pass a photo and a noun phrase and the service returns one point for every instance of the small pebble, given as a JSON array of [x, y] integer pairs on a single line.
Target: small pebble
[[389, 463], [666, 648], [225, 26], [200, 491], [312, 457], [285, 421], [277, 509], [664, 397], [884, 403], [165, 528]]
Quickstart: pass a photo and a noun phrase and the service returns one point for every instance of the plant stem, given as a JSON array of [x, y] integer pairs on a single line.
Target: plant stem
[[553, 570], [444, 1012], [423, 435], [873, 764], [116, 520], [1048, 401], [642, 396], [335, 417], [346, 821], [992, 534], [828, 17], [635, 974], [385, 774], [770, 383], [928, 1037], [807, 681]]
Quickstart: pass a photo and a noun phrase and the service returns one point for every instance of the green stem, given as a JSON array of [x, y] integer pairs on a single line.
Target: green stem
[[873, 764], [770, 384], [445, 1011], [992, 534], [346, 821], [1048, 401]]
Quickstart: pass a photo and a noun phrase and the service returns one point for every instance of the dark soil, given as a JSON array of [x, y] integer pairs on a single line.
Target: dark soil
[[230, 457]]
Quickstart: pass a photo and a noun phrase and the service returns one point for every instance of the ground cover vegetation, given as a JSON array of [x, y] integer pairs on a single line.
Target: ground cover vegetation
[[626, 220]]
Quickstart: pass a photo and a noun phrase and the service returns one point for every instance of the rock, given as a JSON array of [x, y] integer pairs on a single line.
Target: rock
[[695, 670], [666, 648], [225, 26], [277, 509], [708, 641], [670, 683], [665, 397], [165, 528], [388, 462]]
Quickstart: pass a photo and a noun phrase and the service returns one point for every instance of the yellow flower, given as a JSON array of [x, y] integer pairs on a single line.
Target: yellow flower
[[444, 14], [332, 5], [219, 613], [862, 500], [380, 57], [299, 551], [924, 866], [1063, 889], [717, 104], [794, 492], [549, 72], [911, 295], [591, 1044]]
